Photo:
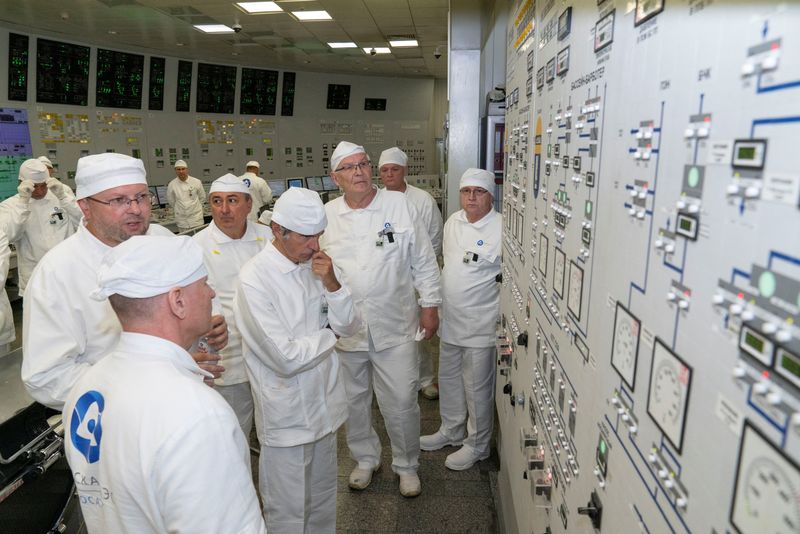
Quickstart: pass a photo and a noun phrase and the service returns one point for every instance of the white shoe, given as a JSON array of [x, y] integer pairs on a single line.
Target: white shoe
[[410, 485], [430, 392], [360, 477], [463, 459], [436, 441]]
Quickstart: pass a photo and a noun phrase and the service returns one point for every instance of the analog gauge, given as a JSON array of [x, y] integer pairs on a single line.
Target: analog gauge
[[670, 381], [559, 265], [625, 344], [667, 393], [575, 295]]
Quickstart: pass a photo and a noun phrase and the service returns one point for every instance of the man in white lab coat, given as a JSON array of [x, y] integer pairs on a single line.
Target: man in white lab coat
[[64, 332], [259, 189], [291, 308], [385, 255], [151, 448], [470, 306], [185, 194], [41, 215], [228, 242], [393, 165]]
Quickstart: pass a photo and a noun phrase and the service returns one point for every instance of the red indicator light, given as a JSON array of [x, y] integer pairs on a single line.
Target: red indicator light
[[707, 119], [740, 295], [775, 46], [765, 374], [687, 293]]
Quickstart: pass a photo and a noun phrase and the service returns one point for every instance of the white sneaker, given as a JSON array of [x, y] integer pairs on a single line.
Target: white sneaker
[[430, 392], [436, 441], [410, 485], [360, 477], [463, 459]]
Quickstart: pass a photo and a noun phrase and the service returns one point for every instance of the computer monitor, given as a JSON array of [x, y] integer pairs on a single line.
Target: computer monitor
[[295, 182], [278, 187], [154, 196], [315, 183], [329, 184], [162, 194]]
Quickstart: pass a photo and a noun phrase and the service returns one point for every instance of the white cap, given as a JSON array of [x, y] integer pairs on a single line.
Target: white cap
[[99, 172], [145, 266], [300, 210], [343, 150], [478, 178], [229, 184], [181, 163], [46, 161], [253, 164], [393, 155], [265, 217], [33, 170]]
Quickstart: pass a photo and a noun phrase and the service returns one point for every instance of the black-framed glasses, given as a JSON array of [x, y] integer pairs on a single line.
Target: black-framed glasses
[[119, 203]]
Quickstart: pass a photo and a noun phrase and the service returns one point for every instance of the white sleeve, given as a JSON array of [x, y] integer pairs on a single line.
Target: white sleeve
[[13, 215], [424, 268], [266, 333], [70, 206], [343, 316], [435, 227], [171, 195]]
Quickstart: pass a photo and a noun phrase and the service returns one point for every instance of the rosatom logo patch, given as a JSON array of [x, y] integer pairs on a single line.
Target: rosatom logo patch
[[247, 182], [86, 430]]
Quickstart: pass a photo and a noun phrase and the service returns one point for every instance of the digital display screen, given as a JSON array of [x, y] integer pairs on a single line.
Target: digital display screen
[[295, 182], [155, 102], [277, 186], [754, 342], [746, 152], [161, 190], [62, 73], [790, 364], [259, 94], [119, 79], [287, 95], [315, 183], [338, 96], [686, 224], [329, 184], [184, 93], [17, 67], [374, 104], [153, 195], [216, 88]]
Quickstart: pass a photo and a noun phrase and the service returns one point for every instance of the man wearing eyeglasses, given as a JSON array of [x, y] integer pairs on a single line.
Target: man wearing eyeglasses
[[384, 253], [470, 305], [64, 332]]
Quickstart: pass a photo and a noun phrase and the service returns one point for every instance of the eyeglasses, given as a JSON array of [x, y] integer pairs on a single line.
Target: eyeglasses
[[478, 192], [119, 203], [350, 169]]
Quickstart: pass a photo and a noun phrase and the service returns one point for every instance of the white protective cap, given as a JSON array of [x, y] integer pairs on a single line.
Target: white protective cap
[[99, 172], [229, 184], [181, 163], [478, 178], [145, 266], [46, 161], [343, 150], [33, 170], [393, 155], [253, 163], [300, 210]]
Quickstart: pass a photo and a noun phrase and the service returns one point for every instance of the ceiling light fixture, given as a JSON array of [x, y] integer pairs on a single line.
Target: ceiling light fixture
[[343, 45], [372, 50], [213, 28], [307, 16], [258, 8], [404, 43]]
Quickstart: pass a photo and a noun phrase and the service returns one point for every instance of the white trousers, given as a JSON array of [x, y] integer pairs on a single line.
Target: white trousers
[[466, 394], [298, 487], [425, 366], [393, 373], [240, 398]]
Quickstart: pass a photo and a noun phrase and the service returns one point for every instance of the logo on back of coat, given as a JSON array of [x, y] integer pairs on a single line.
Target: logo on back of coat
[[86, 430], [480, 242], [247, 182]]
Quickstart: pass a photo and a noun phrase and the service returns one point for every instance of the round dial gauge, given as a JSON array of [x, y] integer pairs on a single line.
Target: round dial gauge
[[770, 499], [667, 393], [624, 346]]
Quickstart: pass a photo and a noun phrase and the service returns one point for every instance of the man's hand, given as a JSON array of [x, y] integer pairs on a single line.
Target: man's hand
[[25, 190], [218, 335], [322, 266], [429, 321], [56, 187], [207, 361]]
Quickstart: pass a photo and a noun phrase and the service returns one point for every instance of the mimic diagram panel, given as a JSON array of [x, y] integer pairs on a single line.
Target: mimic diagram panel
[[649, 347]]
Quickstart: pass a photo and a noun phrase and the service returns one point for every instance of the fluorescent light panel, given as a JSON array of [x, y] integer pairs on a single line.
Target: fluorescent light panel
[[311, 15], [213, 28], [255, 8], [378, 50], [343, 45], [404, 43]]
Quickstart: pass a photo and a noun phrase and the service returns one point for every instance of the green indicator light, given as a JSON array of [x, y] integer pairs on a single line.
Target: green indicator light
[[602, 446], [767, 284], [693, 177]]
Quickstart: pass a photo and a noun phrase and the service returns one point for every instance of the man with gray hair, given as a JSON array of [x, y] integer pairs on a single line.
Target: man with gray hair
[[63, 331], [185, 194], [150, 447], [385, 255], [291, 308]]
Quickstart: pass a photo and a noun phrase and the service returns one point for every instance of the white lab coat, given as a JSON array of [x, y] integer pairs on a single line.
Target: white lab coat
[[224, 258], [429, 212], [36, 226], [7, 331], [259, 191], [471, 296], [282, 309], [64, 331], [186, 199], [382, 278], [171, 455]]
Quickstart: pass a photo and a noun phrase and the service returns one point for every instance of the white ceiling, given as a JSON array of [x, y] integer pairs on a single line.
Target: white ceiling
[[270, 40]]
